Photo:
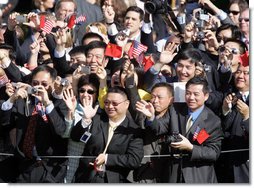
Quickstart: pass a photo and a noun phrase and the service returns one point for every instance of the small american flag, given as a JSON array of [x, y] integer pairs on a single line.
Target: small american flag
[[48, 26], [80, 19], [136, 49], [41, 111], [195, 135]]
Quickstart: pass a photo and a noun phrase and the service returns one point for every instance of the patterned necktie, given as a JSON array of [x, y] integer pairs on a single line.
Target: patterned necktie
[[29, 139], [189, 124]]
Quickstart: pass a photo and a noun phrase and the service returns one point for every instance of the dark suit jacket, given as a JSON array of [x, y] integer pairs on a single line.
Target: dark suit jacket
[[149, 171], [48, 140], [125, 150], [198, 165], [236, 135]]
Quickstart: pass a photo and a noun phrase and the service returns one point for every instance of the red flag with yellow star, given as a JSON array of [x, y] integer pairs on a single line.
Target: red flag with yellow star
[[112, 50]]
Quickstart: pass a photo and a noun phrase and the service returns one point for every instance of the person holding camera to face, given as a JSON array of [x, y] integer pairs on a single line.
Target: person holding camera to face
[[195, 149], [39, 121], [234, 167]]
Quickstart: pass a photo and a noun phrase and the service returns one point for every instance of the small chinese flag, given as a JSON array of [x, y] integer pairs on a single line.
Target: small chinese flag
[[148, 62], [244, 59], [202, 136], [71, 21], [112, 50], [42, 21]]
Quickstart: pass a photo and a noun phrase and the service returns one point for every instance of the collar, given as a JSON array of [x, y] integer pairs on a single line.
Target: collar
[[196, 113], [118, 122], [246, 93]]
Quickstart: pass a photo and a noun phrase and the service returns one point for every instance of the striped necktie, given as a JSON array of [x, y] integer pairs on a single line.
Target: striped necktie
[[189, 123]]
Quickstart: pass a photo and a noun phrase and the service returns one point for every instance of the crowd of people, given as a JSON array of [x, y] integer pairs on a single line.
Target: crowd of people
[[124, 91]]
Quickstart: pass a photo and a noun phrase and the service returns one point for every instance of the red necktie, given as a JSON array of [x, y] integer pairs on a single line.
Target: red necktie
[[29, 140]]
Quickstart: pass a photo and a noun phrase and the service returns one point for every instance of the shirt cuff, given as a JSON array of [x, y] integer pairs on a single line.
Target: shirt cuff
[[49, 108], [222, 15], [225, 113], [57, 96], [5, 63], [153, 71], [59, 54], [85, 124], [147, 28], [112, 30], [7, 105]]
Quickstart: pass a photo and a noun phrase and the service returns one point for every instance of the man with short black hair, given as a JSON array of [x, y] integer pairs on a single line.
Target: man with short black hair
[[114, 140], [194, 136]]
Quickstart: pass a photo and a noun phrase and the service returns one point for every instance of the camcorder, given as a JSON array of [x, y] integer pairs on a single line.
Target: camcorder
[[168, 139], [157, 6], [21, 18]]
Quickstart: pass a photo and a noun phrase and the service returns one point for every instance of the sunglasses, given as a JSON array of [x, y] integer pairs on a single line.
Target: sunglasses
[[107, 103], [245, 19], [234, 12], [89, 91], [232, 50]]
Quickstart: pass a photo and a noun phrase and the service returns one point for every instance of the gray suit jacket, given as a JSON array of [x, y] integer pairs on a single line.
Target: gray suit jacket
[[196, 166]]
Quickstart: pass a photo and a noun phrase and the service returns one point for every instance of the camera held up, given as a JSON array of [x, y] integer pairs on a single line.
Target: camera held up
[[157, 6], [168, 139]]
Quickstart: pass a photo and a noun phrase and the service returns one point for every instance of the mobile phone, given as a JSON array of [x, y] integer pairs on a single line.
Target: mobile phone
[[86, 69], [85, 137], [21, 18]]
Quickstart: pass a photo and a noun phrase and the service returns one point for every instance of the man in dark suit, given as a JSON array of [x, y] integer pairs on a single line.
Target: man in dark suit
[[234, 166], [37, 104], [195, 149], [115, 145]]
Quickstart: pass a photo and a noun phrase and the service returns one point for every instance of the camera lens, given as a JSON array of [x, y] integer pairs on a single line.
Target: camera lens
[[150, 7]]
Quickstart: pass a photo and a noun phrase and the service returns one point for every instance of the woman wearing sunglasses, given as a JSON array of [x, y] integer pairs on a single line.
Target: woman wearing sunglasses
[[235, 8], [88, 87]]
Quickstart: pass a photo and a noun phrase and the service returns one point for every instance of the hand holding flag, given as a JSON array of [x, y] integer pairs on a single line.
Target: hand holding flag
[[136, 49], [112, 50], [71, 21], [49, 24]]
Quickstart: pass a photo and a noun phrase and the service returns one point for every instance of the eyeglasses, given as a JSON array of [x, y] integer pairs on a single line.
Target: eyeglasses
[[245, 19], [36, 83], [89, 91], [107, 103], [234, 12], [232, 50]]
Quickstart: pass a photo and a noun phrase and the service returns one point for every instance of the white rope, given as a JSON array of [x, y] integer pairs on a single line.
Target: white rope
[[145, 156]]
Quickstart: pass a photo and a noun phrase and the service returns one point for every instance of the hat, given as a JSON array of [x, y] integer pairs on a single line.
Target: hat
[[6, 46]]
